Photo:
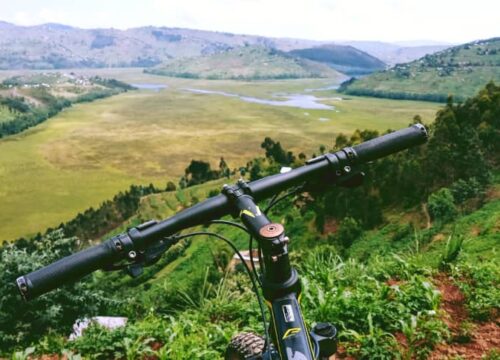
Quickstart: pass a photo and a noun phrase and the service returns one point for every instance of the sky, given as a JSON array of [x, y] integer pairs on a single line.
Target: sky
[[449, 21]]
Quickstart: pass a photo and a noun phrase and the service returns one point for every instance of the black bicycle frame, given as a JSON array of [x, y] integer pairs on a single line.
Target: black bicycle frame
[[280, 282]]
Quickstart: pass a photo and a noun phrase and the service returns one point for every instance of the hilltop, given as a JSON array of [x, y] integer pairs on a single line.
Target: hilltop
[[56, 46], [393, 54], [246, 63], [460, 71], [343, 58]]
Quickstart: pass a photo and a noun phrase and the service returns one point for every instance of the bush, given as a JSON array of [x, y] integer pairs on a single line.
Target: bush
[[463, 190], [22, 322], [441, 205], [349, 230]]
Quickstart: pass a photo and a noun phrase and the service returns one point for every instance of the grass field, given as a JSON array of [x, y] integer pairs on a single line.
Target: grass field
[[89, 152]]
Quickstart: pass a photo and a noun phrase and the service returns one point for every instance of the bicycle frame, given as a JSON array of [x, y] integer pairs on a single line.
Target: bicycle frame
[[280, 281]]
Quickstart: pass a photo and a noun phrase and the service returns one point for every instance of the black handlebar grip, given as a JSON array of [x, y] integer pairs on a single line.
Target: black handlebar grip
[[390, 143], [68, 269]]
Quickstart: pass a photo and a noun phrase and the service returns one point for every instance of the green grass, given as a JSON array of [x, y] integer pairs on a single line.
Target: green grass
[[5, 114], [88, 153]]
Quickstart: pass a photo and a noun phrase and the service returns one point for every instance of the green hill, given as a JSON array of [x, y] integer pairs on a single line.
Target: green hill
[[346, 59], [245, 63], [460, 71]]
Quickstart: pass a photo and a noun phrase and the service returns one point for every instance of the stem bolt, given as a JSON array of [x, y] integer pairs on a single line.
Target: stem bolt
[[132, 254]]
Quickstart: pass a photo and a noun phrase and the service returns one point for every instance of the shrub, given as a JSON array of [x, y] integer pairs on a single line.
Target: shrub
[[463, 190], [451, 251], [480, 285], [22, 322], [349, 230], [441, 205]]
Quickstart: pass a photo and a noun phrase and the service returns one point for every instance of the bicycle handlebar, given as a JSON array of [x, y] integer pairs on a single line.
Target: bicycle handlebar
[[127, 245]]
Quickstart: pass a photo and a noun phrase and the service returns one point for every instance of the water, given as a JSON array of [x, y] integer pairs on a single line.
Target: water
[[149, 86], [331, 87], [291, 100]]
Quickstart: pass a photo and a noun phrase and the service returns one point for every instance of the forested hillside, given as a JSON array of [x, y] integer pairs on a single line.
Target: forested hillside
[[459, 71], [345, 59], [405, 265], [26, 101]]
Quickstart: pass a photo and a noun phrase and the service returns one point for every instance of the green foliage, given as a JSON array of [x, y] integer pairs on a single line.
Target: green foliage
[[24, 354], [22, 322], [441, 205], [480, 284], [48, 105], [275, 152], [376, 344], [199, 172], [454, 246], [464, 190], [345, 292], [348, 232]]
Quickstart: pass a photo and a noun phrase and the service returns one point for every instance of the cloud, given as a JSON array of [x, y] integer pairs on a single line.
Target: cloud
[[386, 20], [23, 18]]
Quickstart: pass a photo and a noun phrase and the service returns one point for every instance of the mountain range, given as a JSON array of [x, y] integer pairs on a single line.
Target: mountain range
[[53, 46]]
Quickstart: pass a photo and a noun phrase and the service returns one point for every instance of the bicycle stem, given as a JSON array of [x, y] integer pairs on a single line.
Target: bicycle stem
[[280, 282]]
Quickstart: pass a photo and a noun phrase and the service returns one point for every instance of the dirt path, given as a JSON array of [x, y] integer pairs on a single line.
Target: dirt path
[[471, 343]]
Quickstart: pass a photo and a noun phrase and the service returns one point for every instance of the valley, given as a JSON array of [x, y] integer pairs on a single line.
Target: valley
[[89, 152]]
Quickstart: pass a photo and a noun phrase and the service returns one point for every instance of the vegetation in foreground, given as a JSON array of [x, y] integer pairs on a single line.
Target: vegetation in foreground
[[460, 71], [396, 288]]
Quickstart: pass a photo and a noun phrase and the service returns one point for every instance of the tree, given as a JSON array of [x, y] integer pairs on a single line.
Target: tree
[[223, 168], [170, 186], [199, 172], [275, 152]]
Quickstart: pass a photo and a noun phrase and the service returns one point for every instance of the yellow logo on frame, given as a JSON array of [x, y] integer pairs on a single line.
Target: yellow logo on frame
[[291, 332]]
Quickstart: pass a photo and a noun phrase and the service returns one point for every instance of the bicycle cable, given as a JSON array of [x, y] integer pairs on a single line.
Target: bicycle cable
[[249, 272], [275, 199]]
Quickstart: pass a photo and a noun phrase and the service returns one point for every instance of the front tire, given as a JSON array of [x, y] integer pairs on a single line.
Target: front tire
[[245, 346]]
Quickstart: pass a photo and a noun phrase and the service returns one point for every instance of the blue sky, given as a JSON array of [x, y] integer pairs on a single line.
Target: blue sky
[[451, 21]]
